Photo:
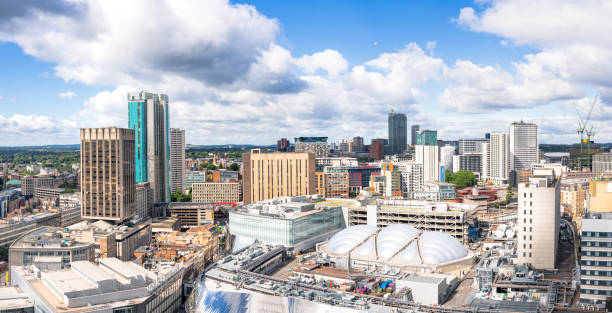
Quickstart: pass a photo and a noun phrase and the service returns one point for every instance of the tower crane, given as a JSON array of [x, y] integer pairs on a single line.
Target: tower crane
[[582, 130]]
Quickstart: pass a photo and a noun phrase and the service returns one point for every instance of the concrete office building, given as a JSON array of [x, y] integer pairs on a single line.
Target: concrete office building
[[315, 145], [471, 145], [192, 213], [282, 145], [596, 259], [538, 220], [48, 196], [29, 184], [600, 194], [49, 248], [398, 132], [107, 286], [427, 153], [216, 192], [523, 145], [294, 222], [12, 229], [108, 188], [602, 163], [332, 184], [414, 129], [177, 160], [148, 117], [496, 159], [273, 175], [435, 191], [471, 162], [144, 199], [377, 149]]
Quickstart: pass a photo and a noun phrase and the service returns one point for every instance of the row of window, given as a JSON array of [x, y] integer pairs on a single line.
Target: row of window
[[596, 292], [597, 253], [596, 282], [596, 273], [596, 234], [596, 263], [596, 244]]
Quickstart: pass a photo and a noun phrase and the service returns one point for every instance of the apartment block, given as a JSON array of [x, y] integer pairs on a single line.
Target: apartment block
[[177, 160], [273, 175], [496, 159], [596, 259], [108, 187]]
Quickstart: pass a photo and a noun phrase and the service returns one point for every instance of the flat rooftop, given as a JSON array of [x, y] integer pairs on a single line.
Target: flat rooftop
[[48, 237]]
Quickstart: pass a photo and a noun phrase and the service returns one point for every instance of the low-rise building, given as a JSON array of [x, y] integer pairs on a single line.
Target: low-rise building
[[192, 213], [49, 197], [51, 242], [14, 300], [216, 192], [192, 177], [11, 229], [436, 191], [108, 286], [294, 222]]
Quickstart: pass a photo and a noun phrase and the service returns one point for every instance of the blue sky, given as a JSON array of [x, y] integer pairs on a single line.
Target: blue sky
[[254, 71]]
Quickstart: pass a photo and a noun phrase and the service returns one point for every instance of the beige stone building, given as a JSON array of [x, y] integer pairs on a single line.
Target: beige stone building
[[573, 196], [600, 194], [538, 221], [216, 192], [272, 175], [107, 174]]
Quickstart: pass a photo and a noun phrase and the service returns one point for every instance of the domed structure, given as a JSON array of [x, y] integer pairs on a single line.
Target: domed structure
[[397, 244]]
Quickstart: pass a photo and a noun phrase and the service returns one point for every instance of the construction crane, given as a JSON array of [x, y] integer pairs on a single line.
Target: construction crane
[[582, 130]]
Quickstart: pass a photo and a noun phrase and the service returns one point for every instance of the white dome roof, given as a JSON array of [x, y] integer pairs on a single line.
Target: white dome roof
[[398, 244]]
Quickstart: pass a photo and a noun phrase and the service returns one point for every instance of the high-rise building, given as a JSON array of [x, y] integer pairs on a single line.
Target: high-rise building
[[177, 160], [377, 149], [316, 145], [471, 162], [144, 199], [538, 220], [496, 159], [282, 145], [414, 129], [358, 144], [427, 153], [471, 145], [148, 117], [523, 145], [411, 177], [272, 175], [398, 132], [108, 188], [446, 157]]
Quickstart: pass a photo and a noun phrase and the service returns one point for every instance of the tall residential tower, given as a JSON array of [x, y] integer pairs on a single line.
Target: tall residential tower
[[148, 117], [523, 145], [177, 160], [398, 132], [427, 153]]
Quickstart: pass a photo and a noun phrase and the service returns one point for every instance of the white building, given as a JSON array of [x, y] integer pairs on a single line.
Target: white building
[[523, 145], [538, 220], [411, 177], [177, 160], [446, 157], [428, 156], [496, 159], [473, 145]]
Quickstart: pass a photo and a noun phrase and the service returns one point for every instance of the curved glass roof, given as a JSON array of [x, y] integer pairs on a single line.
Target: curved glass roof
[[398, 243]]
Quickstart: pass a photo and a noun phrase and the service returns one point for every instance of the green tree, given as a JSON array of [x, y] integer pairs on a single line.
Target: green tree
[[68, 190], [461, 179], [234, 167], [208, 166], [178, 196]]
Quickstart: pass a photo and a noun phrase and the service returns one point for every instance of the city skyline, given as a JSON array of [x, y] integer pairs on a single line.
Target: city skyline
[[462, 68]]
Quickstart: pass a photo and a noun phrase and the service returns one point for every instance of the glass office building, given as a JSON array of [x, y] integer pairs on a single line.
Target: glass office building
[[299, 226]]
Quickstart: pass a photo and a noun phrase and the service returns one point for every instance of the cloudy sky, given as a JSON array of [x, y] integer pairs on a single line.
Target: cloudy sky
[[255, 71]]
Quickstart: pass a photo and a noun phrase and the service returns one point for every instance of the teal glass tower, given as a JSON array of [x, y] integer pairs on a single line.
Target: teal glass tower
[[148, 117]]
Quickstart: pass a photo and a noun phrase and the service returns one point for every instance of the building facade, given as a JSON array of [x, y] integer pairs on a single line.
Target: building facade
[[538, 222], [108, 188], [377, 149], [471, 162], [414, 129], [177, 160], [315, 145], [216, 192], [144, 199], [192, 213], [446, 157], [496, 159], [272, 175], [602, 163], [398, 132], [192, 177], [523, 145], [148, 117], [427, 153], [471, 145], [596, 259]]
